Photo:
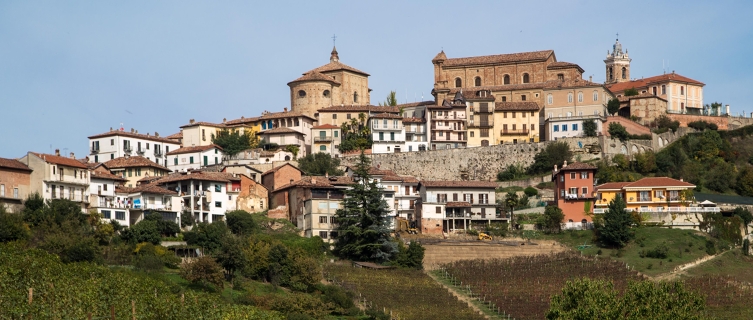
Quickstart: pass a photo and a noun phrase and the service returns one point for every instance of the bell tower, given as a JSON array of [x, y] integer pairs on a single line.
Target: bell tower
[[617, 64]]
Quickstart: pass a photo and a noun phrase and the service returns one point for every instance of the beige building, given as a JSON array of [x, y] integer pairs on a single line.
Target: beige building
[[199, 133], [645, 106], [567, 104], [515, 122], [56, 177], [332, 84], [337, 115], [134, 169], [326, 139], [447, 124], [480, 118]]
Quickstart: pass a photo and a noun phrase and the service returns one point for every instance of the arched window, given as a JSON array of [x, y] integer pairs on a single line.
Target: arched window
[[477, 81], [596, 95], [301, 94], [525, 78], [570, 97], [682, 90], [610, 73], [580, 96], [507, 79], [287, 158], [355, 97], [326, 93], [624, 73], [458, 83], [549, 99]]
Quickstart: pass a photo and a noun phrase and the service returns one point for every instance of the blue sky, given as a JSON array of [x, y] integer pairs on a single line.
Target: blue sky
[[71, 69]]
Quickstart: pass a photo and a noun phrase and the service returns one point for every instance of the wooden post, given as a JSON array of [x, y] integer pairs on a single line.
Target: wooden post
[[133, 310], [182, 298], [89, 316], [112, 312], [31, 294]]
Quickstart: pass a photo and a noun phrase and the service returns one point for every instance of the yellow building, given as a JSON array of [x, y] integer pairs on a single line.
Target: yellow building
[[515, 122], [657, 194], [244, 124]]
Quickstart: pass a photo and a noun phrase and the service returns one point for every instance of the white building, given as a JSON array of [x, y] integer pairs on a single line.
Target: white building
[[207, 195], [102, 196], [118, 143], [134, 203], [56, 177], [327, 139], [387, 133], [194, 157], [416, 137], [287, 137], [447, 206], [292, 120]]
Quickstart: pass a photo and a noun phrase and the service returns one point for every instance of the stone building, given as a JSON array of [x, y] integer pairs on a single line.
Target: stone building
[[15, 184], [332, 84], [617, 64], [278, 176]]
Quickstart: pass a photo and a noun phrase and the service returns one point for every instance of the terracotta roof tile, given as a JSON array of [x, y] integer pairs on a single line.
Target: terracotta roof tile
[[441, 56], [193, 149], [63, 161], [500, 58], [315, 76], [612, 186], [275, 169], [460, 184], [284, 114], [458, 204], [241, 120], [578, 166], [415, 104], [563, 65], [281, 130], [178, 135], [132, 135], [13, 164], [130, 162], [516, 106], [659, 182], [386, 116], [197, 175], [645, 82], [639, 96], [106, 176], [414, 120], [317, 182], [336, 66], [361, 108], [326, 126], [203, 123]]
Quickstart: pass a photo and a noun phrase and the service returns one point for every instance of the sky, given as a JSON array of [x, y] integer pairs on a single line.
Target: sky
[[72, 69]]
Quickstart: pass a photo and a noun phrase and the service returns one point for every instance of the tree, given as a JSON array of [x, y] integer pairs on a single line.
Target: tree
[[613, 106], [551, 221], [412, 256], [204, 270], [186, 219], [745, 215], [241, 222], [207, 235], [12, 226], [645, 162], [166, 228], [356, 135], [512, 172], [363, 228], [554, 153], [631, 92], [589, 127], [391, 99], [664, 122], [723, 228], [616, 130], [294, 149], [144, 231], [614, 230], [230, 255], [233, 142], [511, 201], [319, 164], [597, 299]]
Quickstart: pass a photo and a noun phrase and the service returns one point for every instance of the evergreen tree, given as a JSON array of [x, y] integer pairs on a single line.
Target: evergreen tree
[[589, 127], [363, 231], [614, 230]]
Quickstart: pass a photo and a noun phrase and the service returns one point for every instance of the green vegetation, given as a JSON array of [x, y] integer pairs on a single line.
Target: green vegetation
[[391, 99], [731, 263], [554, 153], [233, 142], [702, 125], [589, 127], [613, 229], [512, 172], [319, 164], [663, 124], [356, 135], [613, 106], [618, 131], [631, 92], [551, 220], [531, 191]]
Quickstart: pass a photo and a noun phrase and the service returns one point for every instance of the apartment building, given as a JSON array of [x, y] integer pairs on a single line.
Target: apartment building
[[101, 193], [207, 195], [480, 118], [416, 134], [280, 176], [15, 184], [118, 143], [574, 193], [57, 177], [448, 124], [327, 139], [516, 122], [199, 133], [134, 168], [387, 133], [196, 157], [272, 124], [649, 195], [570, 103], [448, 206]]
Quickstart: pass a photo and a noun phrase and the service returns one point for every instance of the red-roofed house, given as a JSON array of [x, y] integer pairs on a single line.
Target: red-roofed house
[[118, 143], [326, 139], [574, 194], [15, 184], [57, 177], [651, 195], [194, 157]]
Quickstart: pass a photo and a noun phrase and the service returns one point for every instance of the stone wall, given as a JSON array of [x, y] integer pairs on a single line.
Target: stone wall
[[479, 163]]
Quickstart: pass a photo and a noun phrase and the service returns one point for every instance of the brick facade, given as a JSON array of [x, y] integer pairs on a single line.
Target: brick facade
[[12, 179]]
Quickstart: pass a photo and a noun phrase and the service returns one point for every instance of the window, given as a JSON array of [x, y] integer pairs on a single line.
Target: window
[[355, 96], [107, 214], [138, 172], [507, 79], [513, 114], [322, 219], [644, 196], [596, 95], [326, 93], [333, 219], [584, 175], [523, 98], [336, 133], [130, 173], [556, 128], [381, 136], [526, 78], [167, 149], [561, 77], [549, 99], [175, 161], [562, 193], [438, 209], [569, 98], [347, 116], [323, 234], [562, 178], [15, 193], [484, 133], [471, 134], [573, 191], [504, 98], [663, 89], [384, 122], [659, 194], [376, 124], [2, 190], [682, 90], [112, 142], [301, 94], [504, 114], [218, 204], [572, 175], [323, 148], [584, 191], [580, 96], [477, 81], [394, 124], [624, 73], [392, 136], [564, 127], [575, 127], [458, 83], [514, 126], [217, 188], [120, 215]]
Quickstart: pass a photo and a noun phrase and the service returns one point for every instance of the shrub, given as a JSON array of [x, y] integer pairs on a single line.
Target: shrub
[[531, 191], [202, 270], [497, 229], [12, 226], [206, 235], [512, 172], [144, 231], [589, 127], [551, 221], [186, 219], [618, 131], [702, 125], [660, 252], [710, 247], [241, 222]]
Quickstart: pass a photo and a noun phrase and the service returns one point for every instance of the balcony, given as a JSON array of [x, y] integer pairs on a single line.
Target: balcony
[[157, 153], [593, 116], [518, 132], [127, 149], [323, 138], [480, 124], [667, 210], [140, 151], [94, 150], [415, 131], [388, 128], [575, 196]]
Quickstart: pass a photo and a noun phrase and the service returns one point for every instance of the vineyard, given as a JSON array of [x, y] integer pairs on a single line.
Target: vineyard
[[407, 294], [726, 298], [522, 286], [36, 285]]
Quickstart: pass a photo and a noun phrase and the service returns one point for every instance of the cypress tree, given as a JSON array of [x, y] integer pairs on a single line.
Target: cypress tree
[[614, 230]]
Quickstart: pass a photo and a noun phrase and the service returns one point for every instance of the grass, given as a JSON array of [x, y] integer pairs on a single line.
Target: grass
[[510, 189], [684, 246], [731, 263]]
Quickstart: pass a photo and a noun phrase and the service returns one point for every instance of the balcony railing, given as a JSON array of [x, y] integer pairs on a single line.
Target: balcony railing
[[140, 151], [592, 116], [127, 149], [670, 210], [94, 150], [322, 138], [157, 153], [415, 131], [517, 132]]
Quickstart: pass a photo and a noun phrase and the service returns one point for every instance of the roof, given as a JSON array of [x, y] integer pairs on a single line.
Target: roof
[[146, 188], [132, 135], [193, 149], [387, 116], [202, 123], [63, 161], [317, 182], [516, 106], [178, 135], [106, 176], [133, 161], [13, 164], [500, 58], [336, 66], [315, 76], [198, 175], [281, 130], [577, 166], [439, 57], [470, 92], [645, 82], [275, 169], [283, 114], [612, 186], [326, 126], [241, 120], [360, 108], [659, 182], [564, 65], [415, 104], [646, 95], [414, 120], [460, 184], [458, 204]]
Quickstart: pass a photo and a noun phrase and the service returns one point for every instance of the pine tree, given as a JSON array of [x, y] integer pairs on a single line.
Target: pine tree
[[614, 230], [363, 231]]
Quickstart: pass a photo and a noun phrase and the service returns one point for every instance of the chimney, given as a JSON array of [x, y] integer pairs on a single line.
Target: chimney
[[110, 128], [147, 134], [564, 164], [137, 131], [224, 120], [590, 78], [313, 180], [242, 117], [326, 175], [191, 121], [73, 156], [156, 134], [285, 109], [555, 167], [681, 180]]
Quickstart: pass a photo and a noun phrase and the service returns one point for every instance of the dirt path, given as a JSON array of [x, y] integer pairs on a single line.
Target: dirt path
[[460, 297], [679, 270]]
